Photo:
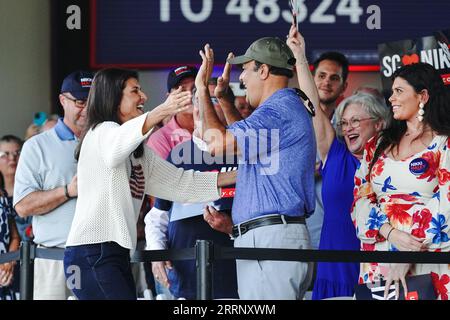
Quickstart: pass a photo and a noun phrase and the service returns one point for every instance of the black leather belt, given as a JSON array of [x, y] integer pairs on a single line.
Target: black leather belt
[[264, 221]]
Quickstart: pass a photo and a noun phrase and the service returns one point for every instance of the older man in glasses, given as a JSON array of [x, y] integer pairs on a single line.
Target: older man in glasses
[[46, 184]]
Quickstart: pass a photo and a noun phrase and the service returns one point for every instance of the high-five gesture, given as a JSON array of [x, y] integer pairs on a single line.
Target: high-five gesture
[[223, 93], [223, 81], [206, 69], [177, 101]]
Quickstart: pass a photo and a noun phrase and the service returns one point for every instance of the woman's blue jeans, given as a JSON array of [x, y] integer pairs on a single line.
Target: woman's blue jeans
[[99, 271]]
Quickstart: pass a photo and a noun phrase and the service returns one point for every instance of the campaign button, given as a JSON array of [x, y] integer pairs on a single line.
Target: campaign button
[[418, 166]]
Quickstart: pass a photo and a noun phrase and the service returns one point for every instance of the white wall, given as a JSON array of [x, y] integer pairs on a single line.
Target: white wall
[[24, 63]]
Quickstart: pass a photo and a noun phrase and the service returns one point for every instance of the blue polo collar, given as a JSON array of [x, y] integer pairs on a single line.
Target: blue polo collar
[[63, 132]]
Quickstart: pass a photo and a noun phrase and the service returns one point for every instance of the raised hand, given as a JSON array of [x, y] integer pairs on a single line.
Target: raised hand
[[223, 81], [177, 101], [206, 69], [296, 43]]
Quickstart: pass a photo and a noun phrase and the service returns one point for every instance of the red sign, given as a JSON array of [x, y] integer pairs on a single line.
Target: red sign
[[228, 192]]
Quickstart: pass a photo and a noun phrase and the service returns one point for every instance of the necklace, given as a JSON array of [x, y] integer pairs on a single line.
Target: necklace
[[411, 133]]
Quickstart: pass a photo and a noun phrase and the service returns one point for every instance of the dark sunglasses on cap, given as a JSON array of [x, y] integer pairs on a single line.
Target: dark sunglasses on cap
[[309, 106]]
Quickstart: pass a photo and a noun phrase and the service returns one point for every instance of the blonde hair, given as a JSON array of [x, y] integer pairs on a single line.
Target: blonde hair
[[374, 107]]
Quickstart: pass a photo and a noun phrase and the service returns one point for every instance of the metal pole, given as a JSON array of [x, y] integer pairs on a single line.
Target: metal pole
[[27, 250], [204, 257]]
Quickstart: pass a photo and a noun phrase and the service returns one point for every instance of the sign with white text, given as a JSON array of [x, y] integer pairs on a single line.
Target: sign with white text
[[162, 33], [434, 50]]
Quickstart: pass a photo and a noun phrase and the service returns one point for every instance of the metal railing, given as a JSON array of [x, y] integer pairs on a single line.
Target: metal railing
[[205, 253]]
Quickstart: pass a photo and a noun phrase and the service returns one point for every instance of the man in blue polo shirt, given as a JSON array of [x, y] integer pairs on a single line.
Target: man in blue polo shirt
[[275, 183], [46, 184]]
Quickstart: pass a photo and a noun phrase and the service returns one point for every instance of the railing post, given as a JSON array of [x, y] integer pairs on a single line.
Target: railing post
[[27, 254], [204, 253]]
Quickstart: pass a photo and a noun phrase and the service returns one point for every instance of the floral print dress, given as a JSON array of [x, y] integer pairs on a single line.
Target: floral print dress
[[413, 195]]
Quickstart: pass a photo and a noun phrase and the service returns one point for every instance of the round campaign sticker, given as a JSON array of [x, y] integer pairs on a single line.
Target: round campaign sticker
[[418, 166]]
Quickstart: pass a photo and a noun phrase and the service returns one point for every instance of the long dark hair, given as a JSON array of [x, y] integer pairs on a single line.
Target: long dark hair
[[104, 99], [421, 76]]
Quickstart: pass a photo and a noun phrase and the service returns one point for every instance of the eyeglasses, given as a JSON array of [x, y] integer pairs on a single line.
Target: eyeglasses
[[354, 123], [78, 102], [7, 154]]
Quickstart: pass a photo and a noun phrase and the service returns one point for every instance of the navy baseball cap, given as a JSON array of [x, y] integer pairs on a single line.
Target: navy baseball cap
[[78, 84], [178, 74]]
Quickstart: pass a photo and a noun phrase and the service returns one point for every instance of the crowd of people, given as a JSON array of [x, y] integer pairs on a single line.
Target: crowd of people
[[281, 168]]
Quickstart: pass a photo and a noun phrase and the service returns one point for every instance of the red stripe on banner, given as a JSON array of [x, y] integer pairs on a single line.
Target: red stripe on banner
[[357, 68], [228, 192], [366, 68]]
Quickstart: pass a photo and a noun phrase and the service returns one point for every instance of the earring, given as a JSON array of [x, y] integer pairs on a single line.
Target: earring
[[421, 112]]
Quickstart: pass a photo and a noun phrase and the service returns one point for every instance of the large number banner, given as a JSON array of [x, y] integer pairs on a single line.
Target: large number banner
[[161, 33], [434, 49]]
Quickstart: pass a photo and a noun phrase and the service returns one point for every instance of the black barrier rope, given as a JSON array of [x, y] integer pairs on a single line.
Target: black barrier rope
[[330, 255], [205, 253], [10, 256], [139, 256], [50, 253], [224, 253], [163, 255]]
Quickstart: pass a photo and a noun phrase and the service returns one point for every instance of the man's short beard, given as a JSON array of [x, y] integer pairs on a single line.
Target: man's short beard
[[328, 101]]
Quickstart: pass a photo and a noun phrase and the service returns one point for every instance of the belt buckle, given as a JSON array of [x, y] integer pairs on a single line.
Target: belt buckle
[[244, 229], [235, 231]]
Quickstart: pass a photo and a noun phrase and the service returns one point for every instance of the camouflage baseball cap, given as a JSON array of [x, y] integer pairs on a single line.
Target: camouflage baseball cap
[[269, 50]]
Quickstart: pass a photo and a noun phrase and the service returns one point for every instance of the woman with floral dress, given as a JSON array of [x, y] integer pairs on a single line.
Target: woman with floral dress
[[402, 199], [359, 118]]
